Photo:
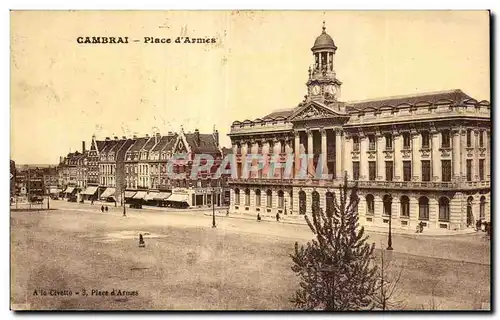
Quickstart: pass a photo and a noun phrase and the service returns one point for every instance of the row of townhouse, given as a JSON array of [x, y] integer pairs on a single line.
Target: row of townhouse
[[135, 170]]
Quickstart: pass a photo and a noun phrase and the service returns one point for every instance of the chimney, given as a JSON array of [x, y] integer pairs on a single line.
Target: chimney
[[116, 138], [197, 136], [216, 136], [61, 159], [147, 136], [83, 146], [134, 137], [107, 139], [157, 137], [124, 138]]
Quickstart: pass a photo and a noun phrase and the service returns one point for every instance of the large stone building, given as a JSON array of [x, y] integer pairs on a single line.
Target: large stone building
[[415, 158]]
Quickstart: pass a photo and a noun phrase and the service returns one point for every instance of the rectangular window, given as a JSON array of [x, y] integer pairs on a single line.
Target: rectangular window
[[481, 139], [389, 169], [445, 139], [371, 143], [407, 141], [406, 170], [446, 170], [469, 138], [425, 140], [355, 143], [426, 170], [355, 170], [481, 169], [469, 169], [372, 170], [388, 142]]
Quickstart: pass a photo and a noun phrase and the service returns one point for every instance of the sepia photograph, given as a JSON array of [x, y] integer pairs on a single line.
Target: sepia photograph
[[250, 160]]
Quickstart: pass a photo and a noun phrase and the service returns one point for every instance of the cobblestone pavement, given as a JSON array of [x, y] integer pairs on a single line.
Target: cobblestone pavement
[[241, 264]]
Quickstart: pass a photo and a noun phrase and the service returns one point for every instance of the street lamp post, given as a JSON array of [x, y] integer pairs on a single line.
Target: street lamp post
[[123, 201], [285, 207], [213, 209], [389, 240]]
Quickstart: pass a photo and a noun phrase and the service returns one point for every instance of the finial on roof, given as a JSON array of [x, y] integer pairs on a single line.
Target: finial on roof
[[182, 128], [324, 27]]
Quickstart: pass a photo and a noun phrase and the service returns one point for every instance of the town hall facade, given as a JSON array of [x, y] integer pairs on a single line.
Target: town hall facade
[[416, 158]]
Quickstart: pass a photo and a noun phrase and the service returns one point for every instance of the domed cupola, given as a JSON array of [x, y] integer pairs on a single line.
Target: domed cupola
[[324, 41]]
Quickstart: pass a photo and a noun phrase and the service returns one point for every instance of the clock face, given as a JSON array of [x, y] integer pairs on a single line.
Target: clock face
[[316, 89], [331, 89]]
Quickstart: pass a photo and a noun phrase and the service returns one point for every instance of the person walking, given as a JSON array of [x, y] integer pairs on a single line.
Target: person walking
[[277, 217], [258, 217], [106, 208], [102, 208]]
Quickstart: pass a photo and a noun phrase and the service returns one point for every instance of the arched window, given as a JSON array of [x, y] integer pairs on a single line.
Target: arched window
[[482, 208], [370, 205], [444, 209], [257, 198], [269, 194], [315, 201], [237, 196], [387, 205], [423, 208], [281, 199], [405, 206], [247, 197], [329, 202], [470, 215], [302, 202]]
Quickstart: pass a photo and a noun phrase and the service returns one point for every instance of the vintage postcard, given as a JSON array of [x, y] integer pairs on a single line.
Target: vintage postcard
[[250, 160]]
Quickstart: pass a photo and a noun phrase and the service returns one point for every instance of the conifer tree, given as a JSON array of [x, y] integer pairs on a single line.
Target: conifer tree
[[336, 270]]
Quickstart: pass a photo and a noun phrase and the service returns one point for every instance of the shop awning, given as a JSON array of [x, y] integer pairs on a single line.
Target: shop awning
[[139, 195], [151, 195], [108, 193], [161, 196], [69, 189], [178, 198], [91, 190], [54, 190], [129, 194]]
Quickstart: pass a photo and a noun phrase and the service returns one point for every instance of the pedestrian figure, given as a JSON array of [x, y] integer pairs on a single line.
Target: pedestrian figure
[[258, 217], [102, 208], [478, 225], [278, 217], [92, 202], [227, 212], [421, 224], [106, 208], [142, 244]]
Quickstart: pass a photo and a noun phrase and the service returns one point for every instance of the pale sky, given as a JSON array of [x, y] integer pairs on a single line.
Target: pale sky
[[62, 92]]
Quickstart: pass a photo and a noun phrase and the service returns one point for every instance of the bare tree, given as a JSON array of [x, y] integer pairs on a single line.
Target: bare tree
[[387, 292], [335, 269]]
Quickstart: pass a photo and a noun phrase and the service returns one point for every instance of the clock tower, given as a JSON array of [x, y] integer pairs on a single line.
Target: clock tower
[[323, 84]]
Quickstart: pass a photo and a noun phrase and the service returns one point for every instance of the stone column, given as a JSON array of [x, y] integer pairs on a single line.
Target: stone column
[[436, 156], [297, 153], [363, 157], [487, 159], [310, 165], [323, 151], [416, 144], [463, 154], [475, 161], [338, 155], [380, 139], [456, 156], [398, 156], [347, 160]]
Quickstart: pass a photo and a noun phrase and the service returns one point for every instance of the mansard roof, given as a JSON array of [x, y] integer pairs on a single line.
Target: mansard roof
[[207, 143], [452, 97], [165, 143], [139, 143]]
